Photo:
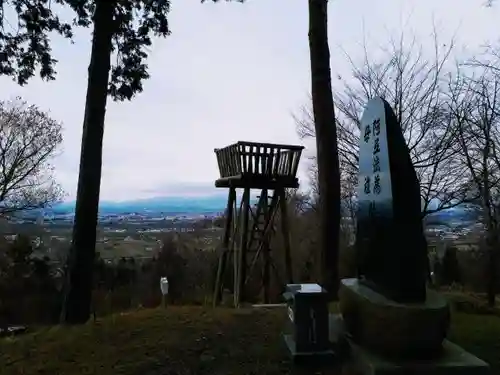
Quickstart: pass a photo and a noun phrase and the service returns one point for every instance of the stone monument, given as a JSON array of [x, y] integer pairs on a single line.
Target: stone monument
[[394, 323], [389, 213]]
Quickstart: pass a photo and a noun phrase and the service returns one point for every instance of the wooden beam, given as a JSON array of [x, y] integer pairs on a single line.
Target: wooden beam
[[257, 182], [236, 256], [265, 253], [225, 244], [286, 236], [242, 262]]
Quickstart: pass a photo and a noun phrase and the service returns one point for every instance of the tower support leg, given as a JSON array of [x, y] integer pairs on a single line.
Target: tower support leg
[[286, 235], [225, 247], [241, 271]]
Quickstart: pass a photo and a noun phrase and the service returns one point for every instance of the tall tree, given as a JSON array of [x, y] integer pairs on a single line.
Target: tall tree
[[29, 138], [326, 143], [125, 27], [122, 27]]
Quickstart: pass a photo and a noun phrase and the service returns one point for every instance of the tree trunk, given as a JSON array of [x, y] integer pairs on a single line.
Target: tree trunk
[[79, 274], [492, 261], [491, 272], [491, 226], [326, 144]]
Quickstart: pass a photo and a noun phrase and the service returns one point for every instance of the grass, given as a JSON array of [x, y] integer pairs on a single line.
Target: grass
[[189, 340], [479, 334]]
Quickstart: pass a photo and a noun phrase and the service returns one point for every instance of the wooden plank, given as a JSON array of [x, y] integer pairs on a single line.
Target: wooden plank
[[225, 243], [275, 145], [264, 144], [298, 154], [257, 182]]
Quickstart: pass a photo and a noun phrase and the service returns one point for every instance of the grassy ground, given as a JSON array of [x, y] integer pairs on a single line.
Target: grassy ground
[[189, 340]]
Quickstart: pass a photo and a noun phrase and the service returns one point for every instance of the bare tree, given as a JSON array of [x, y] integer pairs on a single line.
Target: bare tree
[[415, 88], [475, 105], [28, 140]]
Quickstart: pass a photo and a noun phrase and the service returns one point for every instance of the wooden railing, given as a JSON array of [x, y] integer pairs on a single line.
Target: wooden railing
[[262, 159]]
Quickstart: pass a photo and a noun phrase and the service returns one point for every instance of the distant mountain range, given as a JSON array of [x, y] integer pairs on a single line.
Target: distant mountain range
[[170, 205], [208, 205]]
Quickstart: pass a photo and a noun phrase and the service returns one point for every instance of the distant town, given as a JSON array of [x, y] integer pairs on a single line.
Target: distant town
[[135, 229], [124, 230]]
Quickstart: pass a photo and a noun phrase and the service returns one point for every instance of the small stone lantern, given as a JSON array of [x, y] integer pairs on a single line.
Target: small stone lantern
[[307, 331]]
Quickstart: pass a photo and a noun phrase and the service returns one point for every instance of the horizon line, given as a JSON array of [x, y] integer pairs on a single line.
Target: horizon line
[[176, 196]]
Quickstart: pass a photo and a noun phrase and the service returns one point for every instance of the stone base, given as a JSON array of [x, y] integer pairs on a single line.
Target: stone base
[[298, 357], [394, 329], [453, 361]]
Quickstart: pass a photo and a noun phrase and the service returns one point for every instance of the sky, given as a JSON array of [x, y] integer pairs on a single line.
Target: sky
[[228, 72]]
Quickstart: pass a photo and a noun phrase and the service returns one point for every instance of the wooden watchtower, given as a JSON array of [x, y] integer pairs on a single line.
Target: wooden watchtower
[[271, 168]]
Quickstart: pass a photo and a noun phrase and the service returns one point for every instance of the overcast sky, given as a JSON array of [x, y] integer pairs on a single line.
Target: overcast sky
[[228, 72]]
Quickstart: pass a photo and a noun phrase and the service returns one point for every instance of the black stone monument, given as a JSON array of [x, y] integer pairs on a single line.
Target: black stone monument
[[393, 324], [390, 242]]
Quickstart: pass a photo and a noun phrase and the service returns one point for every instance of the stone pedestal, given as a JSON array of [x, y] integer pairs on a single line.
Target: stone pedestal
[[453, 361], [387, 337], [390, 328], [307, 333]]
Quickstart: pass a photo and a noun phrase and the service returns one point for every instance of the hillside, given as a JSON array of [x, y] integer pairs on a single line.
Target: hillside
[[190, 340]]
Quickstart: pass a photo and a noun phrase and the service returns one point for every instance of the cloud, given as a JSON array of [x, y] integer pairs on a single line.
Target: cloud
[[178, 189]]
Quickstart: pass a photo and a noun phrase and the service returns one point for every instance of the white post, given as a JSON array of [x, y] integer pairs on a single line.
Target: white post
[[164, 291]]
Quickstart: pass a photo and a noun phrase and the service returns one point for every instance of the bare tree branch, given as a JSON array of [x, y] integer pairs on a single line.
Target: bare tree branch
[[416, 89], [475, 105], [28, 140]]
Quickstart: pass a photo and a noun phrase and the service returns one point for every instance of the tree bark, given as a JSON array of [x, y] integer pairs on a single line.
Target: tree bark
[[491, 226], [491, 248], [79, 273], [492, 274], [326, 144]]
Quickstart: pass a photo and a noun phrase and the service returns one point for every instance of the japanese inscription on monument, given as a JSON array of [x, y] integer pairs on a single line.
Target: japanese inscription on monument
[[374, 176]]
